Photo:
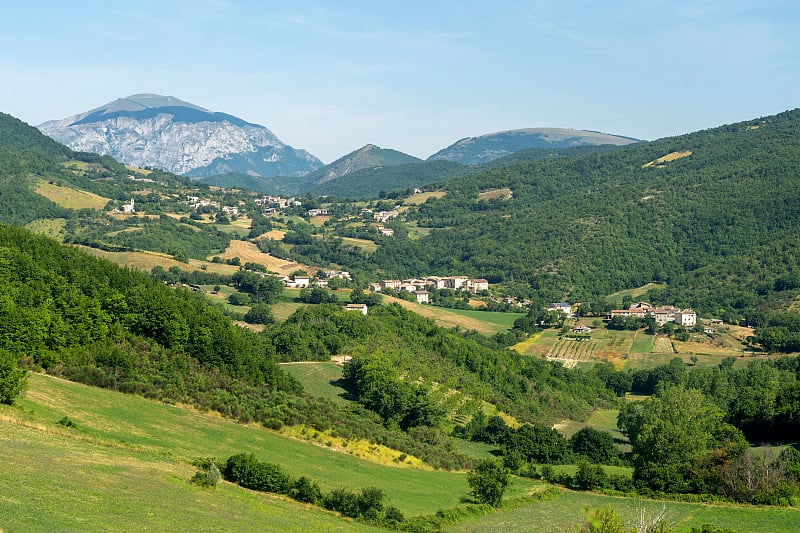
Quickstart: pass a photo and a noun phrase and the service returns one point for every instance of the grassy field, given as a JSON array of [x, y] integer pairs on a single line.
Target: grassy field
[[70, 198], [617, 297], [249, 252], [318, 379], [502, 194], [164, 433], [88, 479], [365, 244], [421, 198], [486, 322], [49, 227], [567, 512]]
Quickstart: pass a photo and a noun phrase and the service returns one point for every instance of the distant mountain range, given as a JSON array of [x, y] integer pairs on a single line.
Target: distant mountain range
[[150, 130], [485, 148]]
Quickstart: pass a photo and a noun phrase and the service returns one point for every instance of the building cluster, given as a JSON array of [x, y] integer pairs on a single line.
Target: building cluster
[[660, 315], [419, 287], [271, 204], [385, 216], [304, 281]]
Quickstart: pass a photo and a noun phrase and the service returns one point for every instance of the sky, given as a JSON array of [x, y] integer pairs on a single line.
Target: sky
[[413, 76]]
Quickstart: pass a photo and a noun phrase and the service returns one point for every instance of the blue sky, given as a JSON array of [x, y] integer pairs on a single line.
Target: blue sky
[[413, 76]]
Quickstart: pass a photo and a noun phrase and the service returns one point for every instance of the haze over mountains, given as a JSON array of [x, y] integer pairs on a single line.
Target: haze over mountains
[[150, 130]]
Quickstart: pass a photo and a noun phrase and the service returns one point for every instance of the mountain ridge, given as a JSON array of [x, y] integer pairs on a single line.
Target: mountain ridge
[[490, 146], [150, 130]]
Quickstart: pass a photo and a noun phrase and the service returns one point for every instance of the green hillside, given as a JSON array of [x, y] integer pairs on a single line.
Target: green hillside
[[366, 157], [713, 214], [368, 183]]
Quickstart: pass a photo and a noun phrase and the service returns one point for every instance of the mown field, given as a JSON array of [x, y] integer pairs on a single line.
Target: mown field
[[566, 513], [127, 463], [166, 438], [486, 322], [69, 197]]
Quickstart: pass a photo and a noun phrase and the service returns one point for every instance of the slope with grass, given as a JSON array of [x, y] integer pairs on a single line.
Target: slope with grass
[[167, 438], [566, 513]]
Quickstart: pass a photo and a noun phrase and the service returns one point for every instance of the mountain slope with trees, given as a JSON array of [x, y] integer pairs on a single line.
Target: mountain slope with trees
[[714, 214]]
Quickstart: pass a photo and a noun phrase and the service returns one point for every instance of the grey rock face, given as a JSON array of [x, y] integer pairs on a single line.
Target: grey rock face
[[164, 132]]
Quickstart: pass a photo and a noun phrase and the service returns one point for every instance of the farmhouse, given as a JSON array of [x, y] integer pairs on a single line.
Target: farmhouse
[[298, 282], [562, 307], [581, 329], [391, 284], [386, 232], [456, 282], [422, 297], [687, 318], [127, 208], [361, 308], [478, 285], [662, 315], [385, 216]]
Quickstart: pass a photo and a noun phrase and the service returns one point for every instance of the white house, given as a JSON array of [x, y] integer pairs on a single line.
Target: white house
[[422, 297], [687, 318], [127, 208], [478, 285], [561, 307], [361, 308]]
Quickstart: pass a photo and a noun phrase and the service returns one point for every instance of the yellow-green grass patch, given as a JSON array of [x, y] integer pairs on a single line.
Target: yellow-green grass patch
[[319, 220], [248, 252], [283, 310], [672, 156], [706, 347], [76, 165], [49, 227], [139, 170], [493, 194], [415, 232], [144, 260], [421, 198], [642, 342], [484, 322], [69, 197], [634, 293], [365, 244]]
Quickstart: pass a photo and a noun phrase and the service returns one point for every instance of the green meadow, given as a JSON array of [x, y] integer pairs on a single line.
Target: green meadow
[[148, 439]]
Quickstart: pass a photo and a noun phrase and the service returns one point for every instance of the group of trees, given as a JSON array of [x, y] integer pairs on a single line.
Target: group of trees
[[682, 444], [366, 505]]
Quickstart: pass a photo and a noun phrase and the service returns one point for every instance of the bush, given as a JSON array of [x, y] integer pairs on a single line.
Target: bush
[[591, 477], [67, 422], [208, 475], [488, 482], [305, 490], [597, 446], [250, 473], [259, 314]]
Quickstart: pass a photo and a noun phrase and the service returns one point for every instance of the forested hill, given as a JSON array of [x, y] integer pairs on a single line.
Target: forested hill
[[714, 214], [16, 135]]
